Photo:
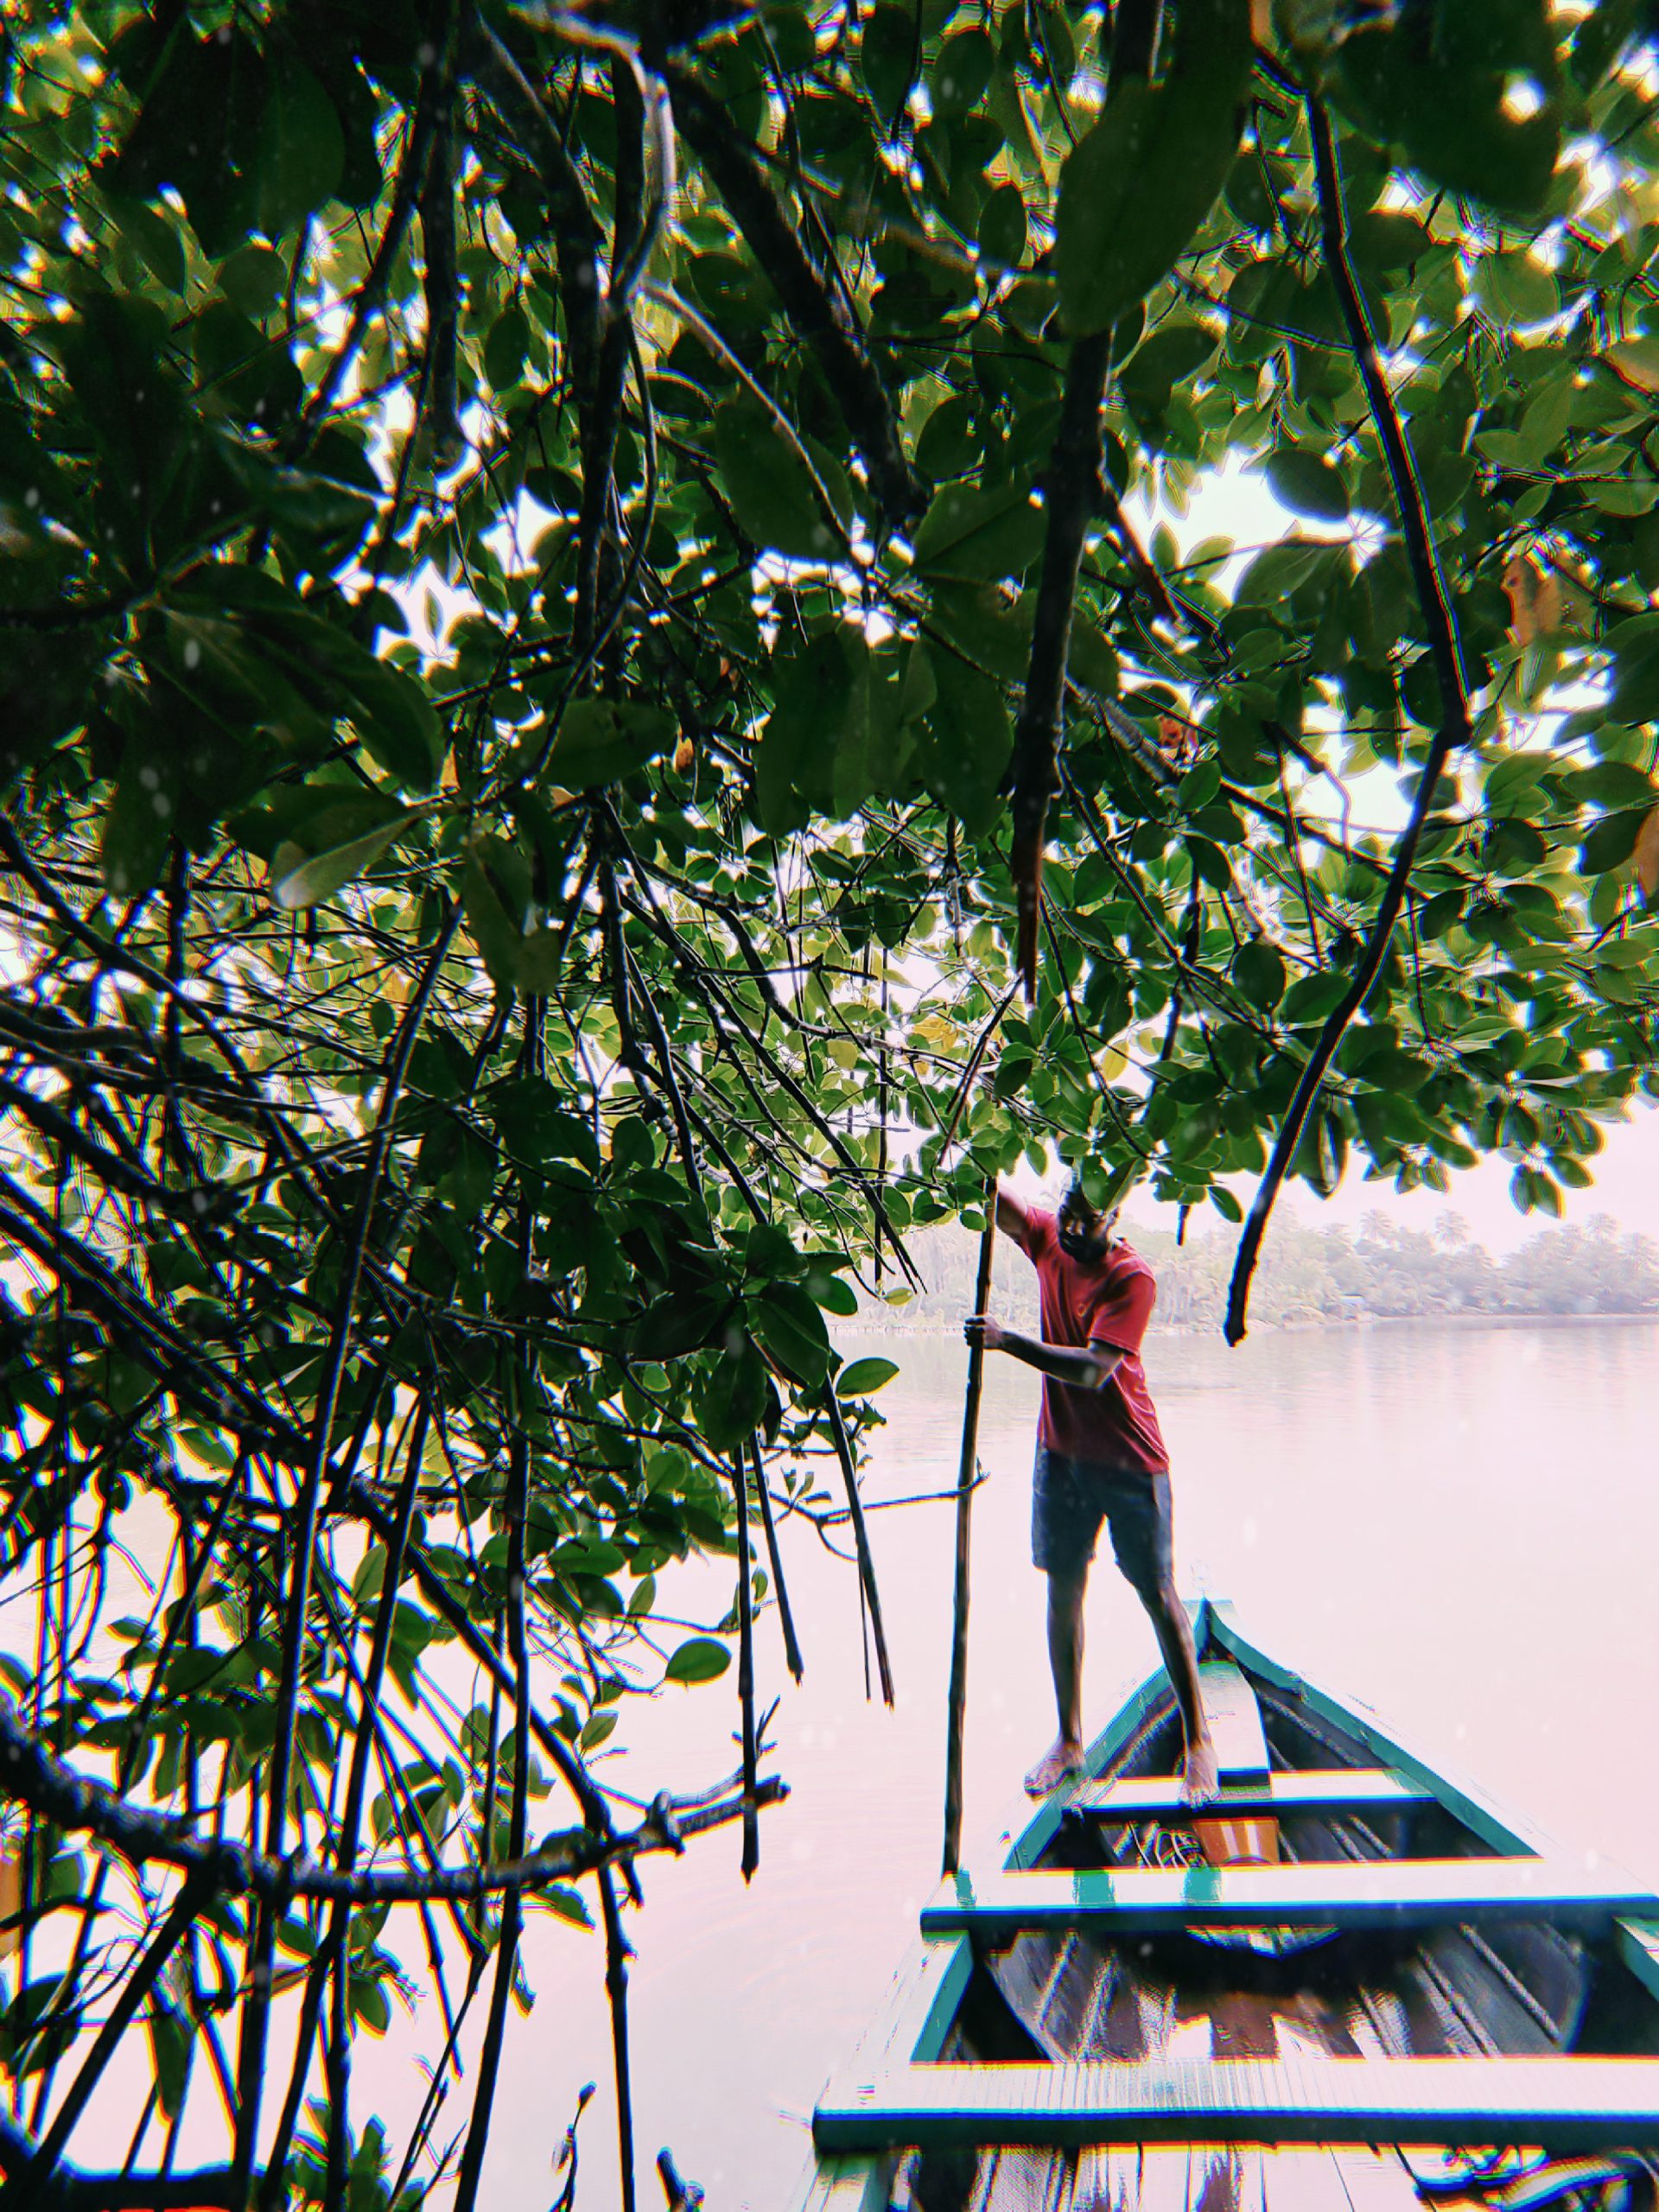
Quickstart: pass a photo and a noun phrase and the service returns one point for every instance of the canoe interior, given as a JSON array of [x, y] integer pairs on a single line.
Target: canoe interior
[[1514, 1986]]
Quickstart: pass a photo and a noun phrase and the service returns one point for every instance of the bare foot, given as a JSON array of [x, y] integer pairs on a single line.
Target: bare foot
[[1056, 1766], [1199, 1783]]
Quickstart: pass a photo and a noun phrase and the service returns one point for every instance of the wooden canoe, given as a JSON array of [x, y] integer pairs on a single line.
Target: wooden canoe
[[1351, 1984]]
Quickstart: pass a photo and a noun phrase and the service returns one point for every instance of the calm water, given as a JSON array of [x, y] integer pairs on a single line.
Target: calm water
[[1453, 1526]]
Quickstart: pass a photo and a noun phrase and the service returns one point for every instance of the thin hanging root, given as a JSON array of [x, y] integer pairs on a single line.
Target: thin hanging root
[[746, 1669], [981, 1043], [793, 1658], [618, 1951], [861, 1537]]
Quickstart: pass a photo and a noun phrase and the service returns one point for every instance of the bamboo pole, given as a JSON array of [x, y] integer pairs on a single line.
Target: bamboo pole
[[967, 1474]]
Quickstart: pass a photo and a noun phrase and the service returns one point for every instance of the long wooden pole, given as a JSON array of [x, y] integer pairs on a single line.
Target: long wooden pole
[[967, 1474]]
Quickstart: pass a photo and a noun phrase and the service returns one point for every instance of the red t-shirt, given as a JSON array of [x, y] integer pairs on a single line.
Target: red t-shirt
[[1107, 1302]]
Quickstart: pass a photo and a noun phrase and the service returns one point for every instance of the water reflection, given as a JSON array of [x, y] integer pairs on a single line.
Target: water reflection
[[1435, 1515], [1452, 1519]]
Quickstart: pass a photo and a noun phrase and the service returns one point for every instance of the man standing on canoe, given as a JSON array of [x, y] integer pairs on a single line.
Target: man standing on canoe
[[1100, 1457]]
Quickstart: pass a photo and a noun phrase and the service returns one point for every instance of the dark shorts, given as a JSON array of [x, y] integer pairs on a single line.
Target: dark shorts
[[1069, 1499]]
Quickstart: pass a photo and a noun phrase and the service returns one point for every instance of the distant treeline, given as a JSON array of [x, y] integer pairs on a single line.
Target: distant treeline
[[1313, 1277]]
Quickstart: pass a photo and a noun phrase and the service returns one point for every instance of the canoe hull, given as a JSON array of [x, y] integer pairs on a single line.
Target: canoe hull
[[1349, 1950]]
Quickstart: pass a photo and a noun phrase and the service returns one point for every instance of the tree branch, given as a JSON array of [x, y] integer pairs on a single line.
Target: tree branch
[[1455, 727], [1073, 488], [811, 307], [54, 1792]]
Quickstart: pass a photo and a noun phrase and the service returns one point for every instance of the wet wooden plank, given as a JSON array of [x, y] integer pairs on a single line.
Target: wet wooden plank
[[1113, 1902], [921, 2004], [846, 2184], [1638, 1946], [910, 2028], [1563, 2104], [1334, 1790], [1234, 1720]]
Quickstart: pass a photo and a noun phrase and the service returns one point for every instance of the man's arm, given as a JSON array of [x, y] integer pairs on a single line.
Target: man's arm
[[1090, 1368], [1012, 1217]]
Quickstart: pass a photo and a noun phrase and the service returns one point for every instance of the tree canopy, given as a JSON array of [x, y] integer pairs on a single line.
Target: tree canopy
[[594, 625]]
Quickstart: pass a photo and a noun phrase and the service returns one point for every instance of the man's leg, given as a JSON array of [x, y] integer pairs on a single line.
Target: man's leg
[[1142, 1525], [1065, 1594], [1063, 1526], [1174, 1634]]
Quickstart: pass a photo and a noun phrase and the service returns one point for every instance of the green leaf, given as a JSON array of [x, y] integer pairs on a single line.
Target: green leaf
[[1437, 82], [840, 728], [960, 76], [1516, 289], [787, 1322], [1090, 660], [143, 815], [865, 1376], [253, 279], [965, 746], [258, 619], [170, 2038], [395, 720], [884, 53], [1613, 784], [1306, 484], [369, 2004], [300, 878], [980, 535], [828, 1290], [679, 1322], [44, 691], [1381, 239], [1259, 971], [978, 621], [569, 1904], [535, 1122], [731, 1397], [493, 930], [699, 1659], [1137, 187], [1001, 229], [1636, 684], [600, 740], [1171, 355], [1210, 863], [203, 128], [503, 349], [301, 149], [154, 238], [769, 486], [1611, 843]]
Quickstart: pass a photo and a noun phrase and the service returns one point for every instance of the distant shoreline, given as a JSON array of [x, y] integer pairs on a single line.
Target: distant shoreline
[[870, 1325]]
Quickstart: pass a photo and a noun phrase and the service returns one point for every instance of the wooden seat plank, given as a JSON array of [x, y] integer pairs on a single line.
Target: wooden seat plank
[[1560, 2104], [1234, 1720], [1341, 1893], [1334, 1789]]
